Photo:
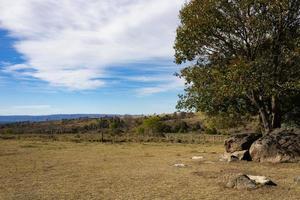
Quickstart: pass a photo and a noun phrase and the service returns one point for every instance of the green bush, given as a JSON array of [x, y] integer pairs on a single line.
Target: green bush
[[212, 131], [8, 131], [153, 126], [141, 130]]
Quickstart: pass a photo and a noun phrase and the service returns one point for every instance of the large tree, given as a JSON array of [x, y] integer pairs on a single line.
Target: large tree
[[243, 57]]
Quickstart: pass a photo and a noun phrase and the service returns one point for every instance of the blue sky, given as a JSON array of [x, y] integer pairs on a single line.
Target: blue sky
[[97, 56]]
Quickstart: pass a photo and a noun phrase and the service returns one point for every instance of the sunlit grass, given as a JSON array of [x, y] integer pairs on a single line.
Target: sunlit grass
[[65, 170]]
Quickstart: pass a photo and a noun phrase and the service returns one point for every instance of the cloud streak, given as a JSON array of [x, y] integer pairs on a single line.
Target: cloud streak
[[74, 43], [165, 85]]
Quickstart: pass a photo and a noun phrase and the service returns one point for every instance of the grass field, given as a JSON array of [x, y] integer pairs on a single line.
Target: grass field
[[65, 170]]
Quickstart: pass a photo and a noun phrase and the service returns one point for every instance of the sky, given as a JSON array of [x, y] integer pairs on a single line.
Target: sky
[[88, 56]]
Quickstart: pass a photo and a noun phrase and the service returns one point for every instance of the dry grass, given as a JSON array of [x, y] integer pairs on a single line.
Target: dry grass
[[63, 170]]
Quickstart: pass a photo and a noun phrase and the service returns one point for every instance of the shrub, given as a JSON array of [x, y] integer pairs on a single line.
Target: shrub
[[153, 126], [212, 131]]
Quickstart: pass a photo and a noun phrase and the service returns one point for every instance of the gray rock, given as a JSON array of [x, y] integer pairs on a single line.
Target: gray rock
[[249, 182], [261, 180], [240, 182], [235, 156], [240, 142], [277, 146], [242, 155]]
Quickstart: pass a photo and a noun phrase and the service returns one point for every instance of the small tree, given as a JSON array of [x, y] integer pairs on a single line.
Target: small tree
[[153, 125]]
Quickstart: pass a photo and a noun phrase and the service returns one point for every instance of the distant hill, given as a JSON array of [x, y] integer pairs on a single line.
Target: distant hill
[[41, 118]]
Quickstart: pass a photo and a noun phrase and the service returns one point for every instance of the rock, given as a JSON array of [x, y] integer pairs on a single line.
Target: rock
[[180, 165], [277, 146], [197, 157], [242, 181], [262, 180], [240, 142], [242, 155], [235, 156], [228, 157]]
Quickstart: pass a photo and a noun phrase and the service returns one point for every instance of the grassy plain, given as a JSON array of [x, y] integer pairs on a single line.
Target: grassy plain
[[32, 170]]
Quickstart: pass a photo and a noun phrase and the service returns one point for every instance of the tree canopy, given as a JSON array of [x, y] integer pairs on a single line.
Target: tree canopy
[[243, 57]]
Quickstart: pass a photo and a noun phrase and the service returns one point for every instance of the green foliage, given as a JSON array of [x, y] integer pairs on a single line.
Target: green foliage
[[103, 123], [153, 125], [141, 130], [8, 131], [212, 131], [108, 126], [244, 55], [223, 121]]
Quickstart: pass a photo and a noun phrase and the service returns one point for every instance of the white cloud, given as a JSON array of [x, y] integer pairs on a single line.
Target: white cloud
[[72, 43], [166, 85]]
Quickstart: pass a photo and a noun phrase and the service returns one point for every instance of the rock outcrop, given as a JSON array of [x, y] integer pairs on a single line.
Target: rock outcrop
[[240, 142], [237, 147], [277, 146], [236, 156]]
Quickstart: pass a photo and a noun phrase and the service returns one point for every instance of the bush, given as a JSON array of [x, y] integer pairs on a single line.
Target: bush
[[153, 126], [141, 130], [223, 121], [183, 127], [212, 131], [8, 131]]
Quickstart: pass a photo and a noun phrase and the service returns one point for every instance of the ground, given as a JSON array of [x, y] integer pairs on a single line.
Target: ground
[[32, 170]]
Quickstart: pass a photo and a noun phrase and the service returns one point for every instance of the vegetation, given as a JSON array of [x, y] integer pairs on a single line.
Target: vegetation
[[244, 59], [64, 170], [115, 126]]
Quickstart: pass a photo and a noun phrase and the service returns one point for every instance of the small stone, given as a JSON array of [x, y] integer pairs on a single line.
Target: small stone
[[180, 165], [197, 157], [262, 180]]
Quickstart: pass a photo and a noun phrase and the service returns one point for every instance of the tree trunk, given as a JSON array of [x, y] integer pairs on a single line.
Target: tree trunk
[[263, 113], [276, 116], [264, 119]]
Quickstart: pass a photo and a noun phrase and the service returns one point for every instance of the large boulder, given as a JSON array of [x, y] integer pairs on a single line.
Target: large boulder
[[240, 142], [277, 146]]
